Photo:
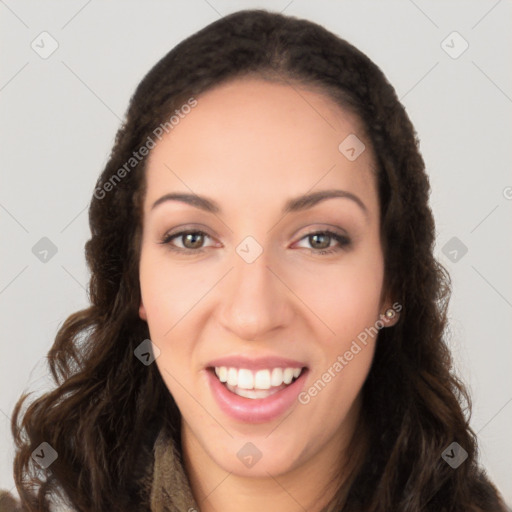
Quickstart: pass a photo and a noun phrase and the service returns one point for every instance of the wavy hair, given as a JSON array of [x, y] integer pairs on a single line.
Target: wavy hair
[[107, 408]]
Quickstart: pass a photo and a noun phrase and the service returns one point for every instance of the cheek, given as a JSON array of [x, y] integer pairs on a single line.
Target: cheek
[[168, 292], [168, 296], [345, 296]]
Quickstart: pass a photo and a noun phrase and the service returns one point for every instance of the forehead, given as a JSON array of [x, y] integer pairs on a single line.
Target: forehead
[[263, 140]]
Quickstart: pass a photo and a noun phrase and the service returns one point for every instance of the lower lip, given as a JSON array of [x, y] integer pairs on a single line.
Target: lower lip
[[258, 410]]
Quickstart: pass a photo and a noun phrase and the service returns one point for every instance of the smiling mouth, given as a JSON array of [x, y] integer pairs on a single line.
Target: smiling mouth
[[256, 384]]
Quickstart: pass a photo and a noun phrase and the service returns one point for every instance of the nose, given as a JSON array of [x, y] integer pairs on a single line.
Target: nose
[[254, 300]]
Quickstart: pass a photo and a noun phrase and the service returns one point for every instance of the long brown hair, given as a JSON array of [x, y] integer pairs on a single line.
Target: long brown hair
[[103, 416]]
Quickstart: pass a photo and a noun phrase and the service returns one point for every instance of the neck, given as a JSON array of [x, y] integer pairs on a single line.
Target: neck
[[309, 486]]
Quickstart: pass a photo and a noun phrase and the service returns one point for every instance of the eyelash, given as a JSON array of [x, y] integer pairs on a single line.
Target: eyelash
[[342, 240]]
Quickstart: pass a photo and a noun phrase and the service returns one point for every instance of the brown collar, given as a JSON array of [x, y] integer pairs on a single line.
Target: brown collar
[[170, 491]]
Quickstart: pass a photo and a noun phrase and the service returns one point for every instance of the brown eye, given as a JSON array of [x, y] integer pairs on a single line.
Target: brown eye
[[320, 242], [191, 241]]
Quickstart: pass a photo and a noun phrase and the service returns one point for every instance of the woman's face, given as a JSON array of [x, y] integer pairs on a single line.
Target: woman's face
[[262, 293]]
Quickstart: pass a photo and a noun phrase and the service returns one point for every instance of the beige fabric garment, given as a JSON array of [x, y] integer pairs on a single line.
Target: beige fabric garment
[[170, 491]]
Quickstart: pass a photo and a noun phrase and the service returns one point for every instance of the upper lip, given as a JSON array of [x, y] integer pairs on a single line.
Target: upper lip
[[251, 363]]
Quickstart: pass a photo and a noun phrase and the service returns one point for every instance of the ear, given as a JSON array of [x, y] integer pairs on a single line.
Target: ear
[[390, 312], [142, 311]]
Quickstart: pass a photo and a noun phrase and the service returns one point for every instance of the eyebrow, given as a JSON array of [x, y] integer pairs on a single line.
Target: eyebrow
[[295, 204]]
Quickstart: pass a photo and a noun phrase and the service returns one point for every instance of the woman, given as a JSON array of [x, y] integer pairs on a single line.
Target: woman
[[267, 317]]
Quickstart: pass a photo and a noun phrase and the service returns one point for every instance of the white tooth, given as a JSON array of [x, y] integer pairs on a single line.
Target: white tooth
[[277, 377], [262, 379], [288, 375], [232, 376], [254, 394], [222, 373], [245, 379], [296, 372]]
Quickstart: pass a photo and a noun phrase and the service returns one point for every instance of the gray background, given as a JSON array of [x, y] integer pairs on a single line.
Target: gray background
[[60, 114]]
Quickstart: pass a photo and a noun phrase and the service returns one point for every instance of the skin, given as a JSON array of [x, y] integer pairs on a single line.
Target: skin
[[250, 145]]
